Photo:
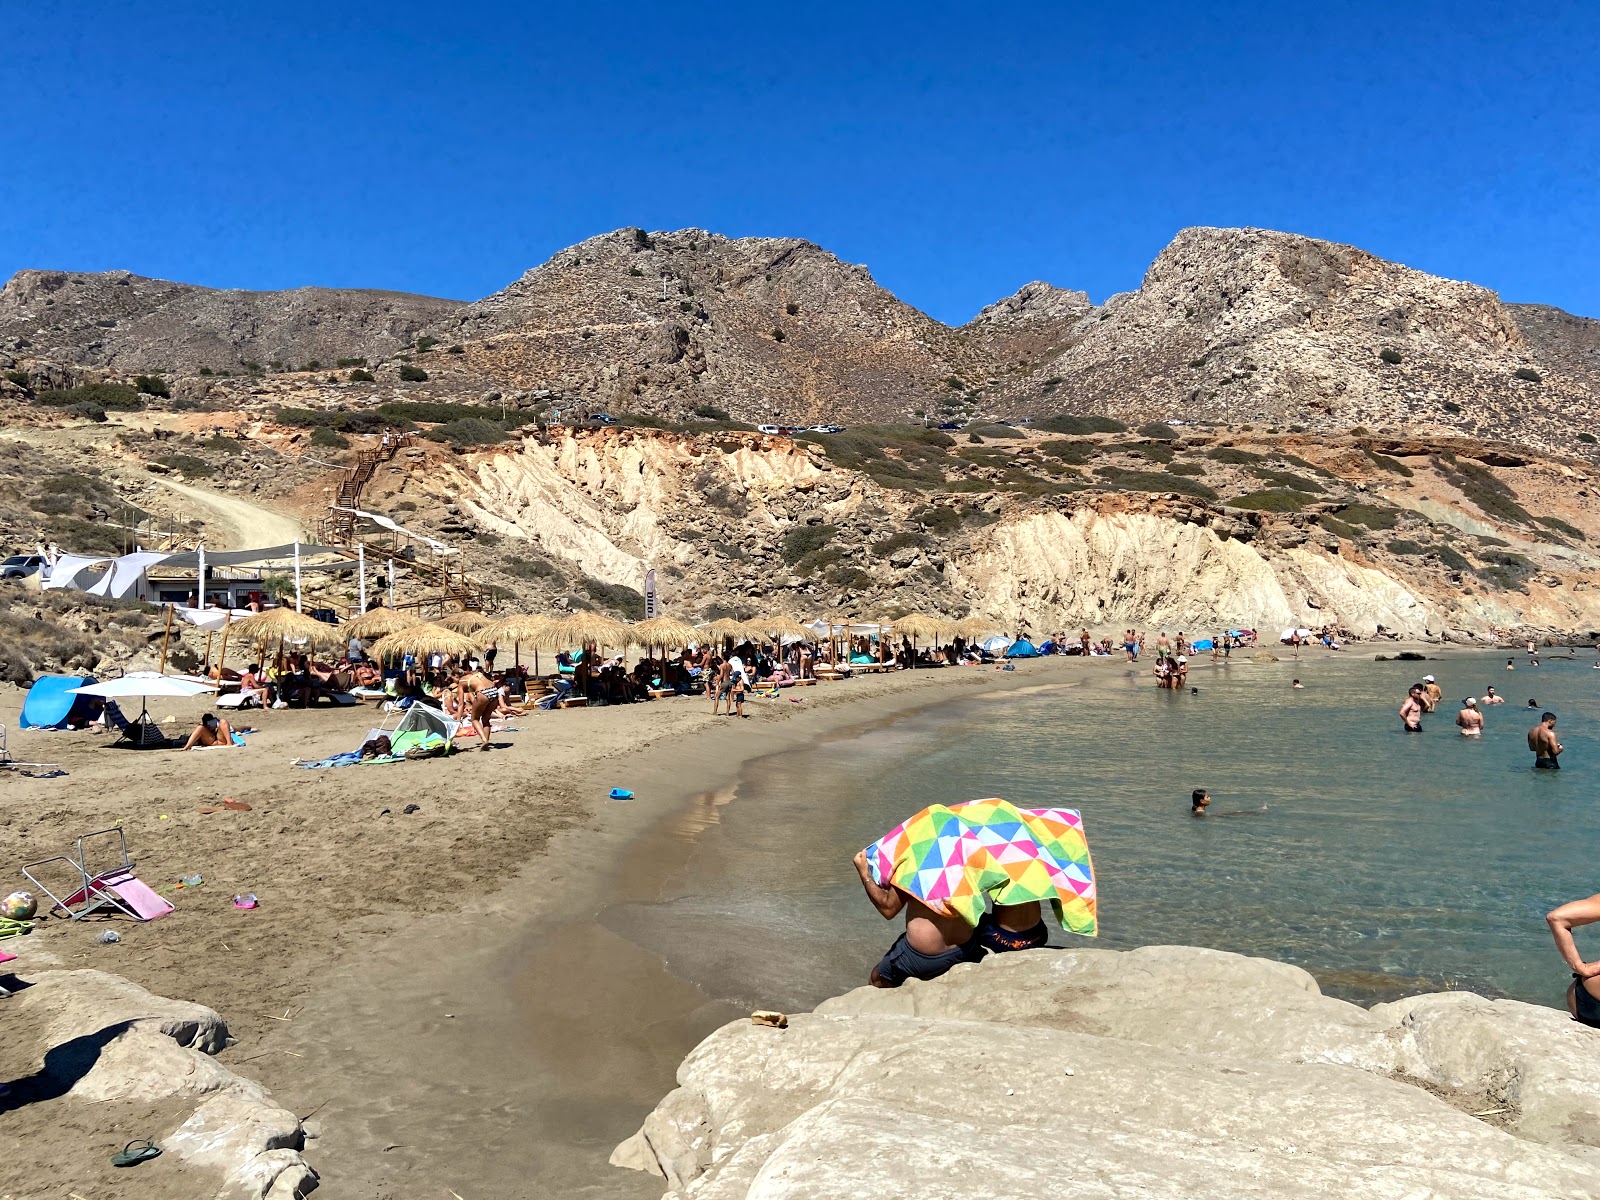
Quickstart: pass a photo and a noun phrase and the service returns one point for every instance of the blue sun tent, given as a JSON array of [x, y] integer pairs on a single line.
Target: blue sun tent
[[50, 703], [1022, 648]]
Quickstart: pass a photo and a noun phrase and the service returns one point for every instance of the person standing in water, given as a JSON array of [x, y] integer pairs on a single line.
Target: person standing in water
[[1542, 741], [1469, 719], [1490, 697], [1411, 711], [1583, 994], [1432, 693]]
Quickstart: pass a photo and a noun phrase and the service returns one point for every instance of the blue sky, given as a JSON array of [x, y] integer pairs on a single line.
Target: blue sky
[[958, 150]]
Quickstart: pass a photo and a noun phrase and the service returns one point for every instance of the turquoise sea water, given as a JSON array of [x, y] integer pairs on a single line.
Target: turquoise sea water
[[1384, 863]]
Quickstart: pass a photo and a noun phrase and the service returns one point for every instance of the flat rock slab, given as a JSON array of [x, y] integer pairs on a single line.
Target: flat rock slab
[[1160, 1073]]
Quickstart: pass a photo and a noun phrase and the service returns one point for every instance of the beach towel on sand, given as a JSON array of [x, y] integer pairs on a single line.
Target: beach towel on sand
[[968, 856]]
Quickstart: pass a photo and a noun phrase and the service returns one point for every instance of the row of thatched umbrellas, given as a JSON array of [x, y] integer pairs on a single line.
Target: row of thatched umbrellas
[[463, 633]]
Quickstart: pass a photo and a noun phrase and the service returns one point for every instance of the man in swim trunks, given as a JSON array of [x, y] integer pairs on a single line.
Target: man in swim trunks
[[933, 942], [1542, 741], [1010, 927], [1411, 711], [1469, 719], [1583, 995], [1490, 697]]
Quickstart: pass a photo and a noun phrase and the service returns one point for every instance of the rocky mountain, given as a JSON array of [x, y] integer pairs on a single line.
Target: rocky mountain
[[1230, 327], [127, 322], [769, 329], [1234, 326]]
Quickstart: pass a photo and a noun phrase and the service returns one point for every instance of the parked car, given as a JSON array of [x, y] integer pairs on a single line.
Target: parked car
[[767, 429], [603, 419], [20, 566], [947, 426], [827, 429]]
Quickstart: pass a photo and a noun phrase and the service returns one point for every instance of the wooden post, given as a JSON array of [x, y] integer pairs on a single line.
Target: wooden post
[[166, 634], [206, 668], [222, 655]]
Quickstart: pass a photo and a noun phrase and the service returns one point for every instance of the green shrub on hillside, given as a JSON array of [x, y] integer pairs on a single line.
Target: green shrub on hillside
[[804, 539], [1560, 526], [1335, 526], [1373, 516], [152, 385], [1480, 485], [411, 374], [1451, 557], [362, 375], [23, 380], [993, 431], [470, 431], [1410, 549], [1153, 481], [1587, 439], [322, 435], [1154, 451], [1232, 454], [1159, 430], [617, 597], [1505, 569], [710, 412], [1271, 500], [937, 519], [114, 396], [1287, 479], [1186, 468], [904, 540], [188, 464], [1392, 357], [1077, 453], [1528, 375], [1080, 424]]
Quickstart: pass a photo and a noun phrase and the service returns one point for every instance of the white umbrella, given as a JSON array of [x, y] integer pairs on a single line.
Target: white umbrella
[[145, 684]]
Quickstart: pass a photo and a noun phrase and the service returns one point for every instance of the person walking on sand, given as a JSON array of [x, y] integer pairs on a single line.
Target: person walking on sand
[[721, 675], [477, 696], [1542, 741], [1583, 994], [1432, 693], [1469, 719], [1411, 711], [934, 941]]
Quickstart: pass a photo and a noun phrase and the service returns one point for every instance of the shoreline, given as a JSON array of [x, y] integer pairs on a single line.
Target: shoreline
[[572, 1030], [509, 1020]]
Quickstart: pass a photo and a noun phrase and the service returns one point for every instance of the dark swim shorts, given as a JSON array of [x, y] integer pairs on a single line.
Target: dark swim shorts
[[992, 937], [903, 963], [1588, 1007], [1547, 764]]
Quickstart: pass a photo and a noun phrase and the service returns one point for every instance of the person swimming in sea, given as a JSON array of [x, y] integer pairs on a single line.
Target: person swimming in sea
[[1297, 684], [1491, 697], [1200, 804], [1469, 719], [1542, 741], [1583, 994]]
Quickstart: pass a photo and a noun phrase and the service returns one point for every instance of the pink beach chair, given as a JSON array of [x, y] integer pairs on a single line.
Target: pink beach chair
[[113, 887]]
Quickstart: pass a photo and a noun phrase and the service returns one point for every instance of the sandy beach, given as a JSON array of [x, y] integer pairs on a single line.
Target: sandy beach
[[430, 985]]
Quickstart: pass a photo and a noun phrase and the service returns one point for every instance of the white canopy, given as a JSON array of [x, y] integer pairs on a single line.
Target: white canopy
[[379, 519], [145, 683]]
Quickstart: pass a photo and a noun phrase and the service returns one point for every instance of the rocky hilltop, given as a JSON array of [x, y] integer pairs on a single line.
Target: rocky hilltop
[[130, 323], [1076, 1074], [1249, 325], [1230, 327]]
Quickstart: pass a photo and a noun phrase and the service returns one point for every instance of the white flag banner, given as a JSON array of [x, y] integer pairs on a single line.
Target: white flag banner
[[651, 608]]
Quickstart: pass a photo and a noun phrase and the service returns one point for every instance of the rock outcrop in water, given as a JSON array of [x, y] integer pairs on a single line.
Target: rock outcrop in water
[[1161, 1073]]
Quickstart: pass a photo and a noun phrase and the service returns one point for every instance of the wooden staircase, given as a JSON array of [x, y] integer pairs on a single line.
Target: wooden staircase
[[457, 589]]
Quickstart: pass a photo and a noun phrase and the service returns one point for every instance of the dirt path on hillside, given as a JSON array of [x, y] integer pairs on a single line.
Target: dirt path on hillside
[[245, 525]]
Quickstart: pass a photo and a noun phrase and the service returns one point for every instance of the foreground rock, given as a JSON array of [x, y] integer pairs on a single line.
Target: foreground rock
[[98, 1037], [1162, 1072]]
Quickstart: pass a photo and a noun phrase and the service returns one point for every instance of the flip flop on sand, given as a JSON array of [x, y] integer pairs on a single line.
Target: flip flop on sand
[[135, 1153]]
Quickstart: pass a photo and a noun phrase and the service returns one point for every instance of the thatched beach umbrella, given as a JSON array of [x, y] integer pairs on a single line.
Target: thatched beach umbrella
[[463, 622], [377, 623], [784, 626], [521, 629], [917, 626], [282, 625], [585, 629], [424, 640], [973, 629], [664, 631]]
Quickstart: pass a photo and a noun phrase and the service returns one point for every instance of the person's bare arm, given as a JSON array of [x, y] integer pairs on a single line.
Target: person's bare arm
[[1563, 921], [888, 901]]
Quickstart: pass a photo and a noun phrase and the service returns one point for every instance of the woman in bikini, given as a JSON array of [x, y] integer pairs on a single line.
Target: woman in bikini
[[478, 697]]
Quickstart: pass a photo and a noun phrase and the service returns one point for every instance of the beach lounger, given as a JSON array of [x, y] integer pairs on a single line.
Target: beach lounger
[[114, 887], [573, 702]]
